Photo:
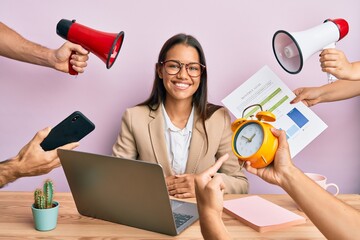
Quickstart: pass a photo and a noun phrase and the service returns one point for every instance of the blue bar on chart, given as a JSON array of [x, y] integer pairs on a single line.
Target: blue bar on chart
[[299, 121], [291, 131], [298, 117]]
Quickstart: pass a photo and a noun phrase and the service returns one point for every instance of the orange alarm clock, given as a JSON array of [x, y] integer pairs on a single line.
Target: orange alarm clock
[[253, 140]]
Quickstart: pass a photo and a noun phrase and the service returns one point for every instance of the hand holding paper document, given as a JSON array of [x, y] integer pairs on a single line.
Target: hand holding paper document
[[299, 122]]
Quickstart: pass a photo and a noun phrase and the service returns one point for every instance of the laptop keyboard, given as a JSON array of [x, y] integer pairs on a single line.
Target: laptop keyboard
[[180, 219]]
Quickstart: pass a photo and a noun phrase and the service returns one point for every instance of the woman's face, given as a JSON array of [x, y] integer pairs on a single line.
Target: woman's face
[[180, 86]]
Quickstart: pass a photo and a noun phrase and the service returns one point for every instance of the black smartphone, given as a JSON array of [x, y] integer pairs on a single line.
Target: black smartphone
[[71, 129]]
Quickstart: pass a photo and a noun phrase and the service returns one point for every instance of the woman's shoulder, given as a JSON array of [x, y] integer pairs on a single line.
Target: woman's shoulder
[[219, 118], [139, 110], [214, 110]]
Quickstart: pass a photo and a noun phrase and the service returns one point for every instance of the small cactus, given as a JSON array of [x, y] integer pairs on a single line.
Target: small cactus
[[49, 193], [44, 198], [37, 193]]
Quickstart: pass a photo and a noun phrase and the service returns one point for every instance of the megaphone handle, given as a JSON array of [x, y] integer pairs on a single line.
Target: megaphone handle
[[331, 78], [71, 70]]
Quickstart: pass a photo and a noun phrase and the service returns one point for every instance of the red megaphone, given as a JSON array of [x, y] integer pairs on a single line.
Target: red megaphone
[[104, 45]]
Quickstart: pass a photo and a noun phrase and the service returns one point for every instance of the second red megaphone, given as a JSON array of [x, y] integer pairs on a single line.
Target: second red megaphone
[[104, 45]]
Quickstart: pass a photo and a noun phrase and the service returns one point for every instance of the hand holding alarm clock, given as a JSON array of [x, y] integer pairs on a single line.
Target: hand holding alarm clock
[[253, 140]]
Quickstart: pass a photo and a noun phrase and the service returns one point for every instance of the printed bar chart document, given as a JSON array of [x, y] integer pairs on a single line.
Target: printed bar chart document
[[299, 122], [260, 214]]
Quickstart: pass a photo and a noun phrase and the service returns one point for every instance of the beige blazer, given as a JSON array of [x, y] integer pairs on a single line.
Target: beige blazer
[[142, 137]]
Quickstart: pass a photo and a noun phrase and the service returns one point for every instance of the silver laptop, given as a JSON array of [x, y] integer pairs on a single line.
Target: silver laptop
[[125, 191]]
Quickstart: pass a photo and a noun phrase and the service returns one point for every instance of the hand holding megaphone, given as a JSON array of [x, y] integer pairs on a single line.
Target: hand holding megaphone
[[71, 56], [335, 62], [104, 45], [292, 49]]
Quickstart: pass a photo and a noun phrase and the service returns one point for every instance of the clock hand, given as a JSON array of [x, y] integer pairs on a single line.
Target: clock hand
[[246, 138], [252, 137]]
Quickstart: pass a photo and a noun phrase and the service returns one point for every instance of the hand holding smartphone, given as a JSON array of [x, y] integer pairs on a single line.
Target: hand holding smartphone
[[71, 129]]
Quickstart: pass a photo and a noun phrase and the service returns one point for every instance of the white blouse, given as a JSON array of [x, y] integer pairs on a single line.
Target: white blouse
[[178, 142]]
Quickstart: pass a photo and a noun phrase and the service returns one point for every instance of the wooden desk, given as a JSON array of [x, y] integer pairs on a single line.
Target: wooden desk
[[16, 222]]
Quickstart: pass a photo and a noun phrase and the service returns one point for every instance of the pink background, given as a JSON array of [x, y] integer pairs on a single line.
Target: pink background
[[236, 37]]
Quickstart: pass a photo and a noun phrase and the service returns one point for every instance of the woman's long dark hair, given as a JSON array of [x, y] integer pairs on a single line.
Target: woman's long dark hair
[[158, 93]]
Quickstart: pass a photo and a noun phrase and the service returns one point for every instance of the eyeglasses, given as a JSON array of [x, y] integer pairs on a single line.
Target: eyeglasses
[[173, 67]]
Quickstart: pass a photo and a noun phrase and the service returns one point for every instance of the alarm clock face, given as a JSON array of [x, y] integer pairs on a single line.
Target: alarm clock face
[[249, 139]]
